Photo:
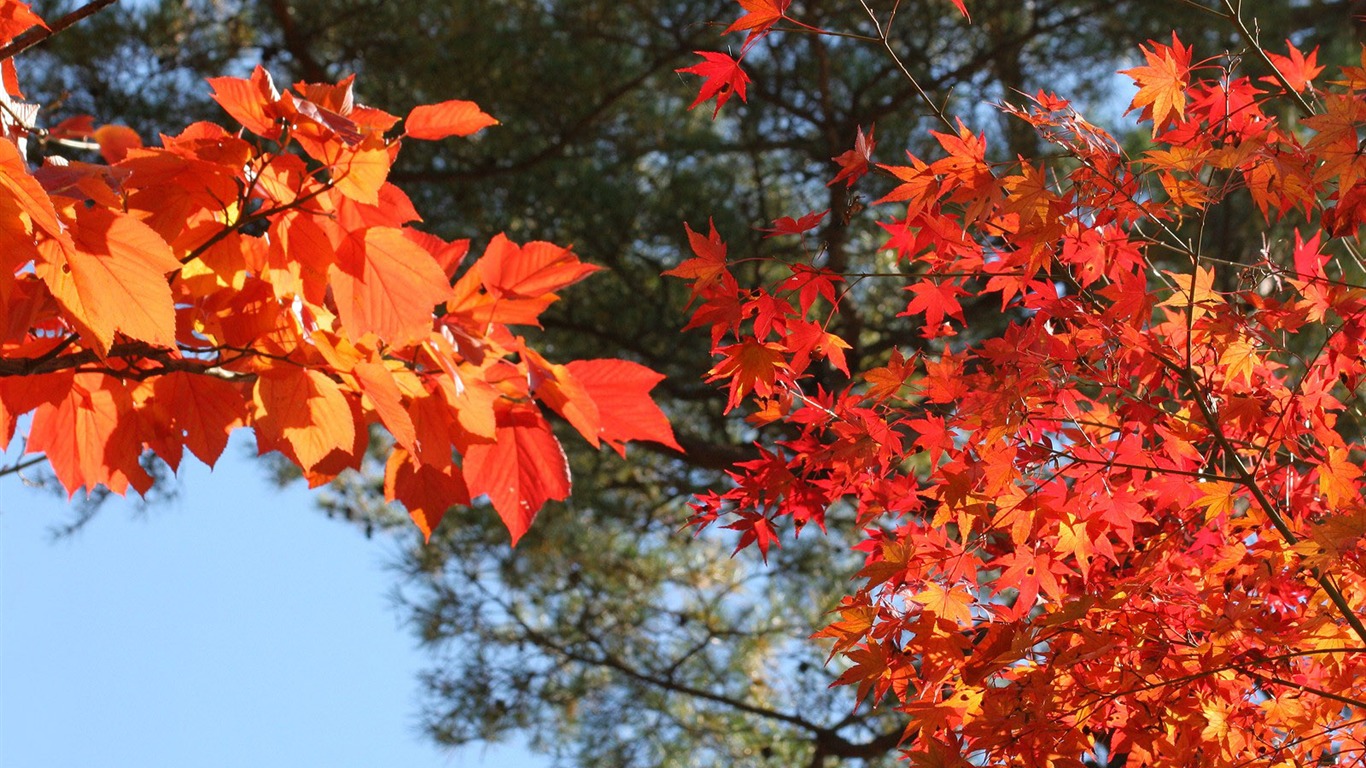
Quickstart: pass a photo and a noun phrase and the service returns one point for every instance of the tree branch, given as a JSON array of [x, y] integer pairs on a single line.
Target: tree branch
[[37, 35]]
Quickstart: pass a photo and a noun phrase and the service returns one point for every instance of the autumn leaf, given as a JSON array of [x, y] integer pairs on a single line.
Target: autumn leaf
[[708, 265], [17, 17], [853, 163], [1337, 477], [304, 409], [621, 390], [204, 408], [722, 78], [1161, 82], [522, 469], [786, 225], [530, 271], [759, 15], [953, 604], [935, 299], [249, 102], [427, 492], [88, 436], [449, 118], [113, 279], [378, 385], [749, 366], [1297, 69], [387, 285]]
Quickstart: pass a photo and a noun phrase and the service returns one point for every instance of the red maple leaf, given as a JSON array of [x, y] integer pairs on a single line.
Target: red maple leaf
[[759, 16], [722, 77], [786, 225], [854, 162]]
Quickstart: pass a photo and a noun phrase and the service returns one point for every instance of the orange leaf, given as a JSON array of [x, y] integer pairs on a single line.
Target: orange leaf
[[759, 15], [953, 604], [204, 408], [360, 174], [114, 280], [115, 141], [621, 390], [426, 491], [15, 18], [532, 270], [710, 263], [387, 285], [305, 409], [560, 389], [449, 118], [88, 436], [249, 101], [1338, 477], [749, 365], [378, 385], [1162, 82], [522, 469]]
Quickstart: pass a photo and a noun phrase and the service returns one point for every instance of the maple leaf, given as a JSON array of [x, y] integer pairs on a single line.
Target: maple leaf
[[749, 366], [449, 118], [722, 78], [709, 264], [426, 491], [86, 432], [250, 102], [1161, 82], [853, 163], [530, 271], [113, 278], [1297, 69], [759, 16], [962, 8], [935, 299], [953, 604], [1337, 477], [17, 17], [204, 408], [786, 225]]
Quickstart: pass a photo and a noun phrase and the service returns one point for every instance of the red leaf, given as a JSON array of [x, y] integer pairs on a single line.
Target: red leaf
[[709, 264], [249, 101], [759, 15], [1297, 69], [722, 77], [449, 118], [854, 162], [520, 471], [205, 408], [621, 390], [935, 299], [786, 225]]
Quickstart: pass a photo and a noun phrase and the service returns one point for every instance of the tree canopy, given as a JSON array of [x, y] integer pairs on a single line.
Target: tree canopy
[[603, 635]]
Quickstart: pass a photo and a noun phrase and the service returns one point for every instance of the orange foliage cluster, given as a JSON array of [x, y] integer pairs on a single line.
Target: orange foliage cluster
[[272, 278]]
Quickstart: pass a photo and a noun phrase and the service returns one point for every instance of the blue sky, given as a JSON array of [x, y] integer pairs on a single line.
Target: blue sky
[[235, 626]]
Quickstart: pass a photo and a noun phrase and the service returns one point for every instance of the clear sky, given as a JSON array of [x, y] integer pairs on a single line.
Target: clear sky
[[235, 626]]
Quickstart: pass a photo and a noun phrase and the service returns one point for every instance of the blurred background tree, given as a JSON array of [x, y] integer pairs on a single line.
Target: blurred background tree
[[608, 637]]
